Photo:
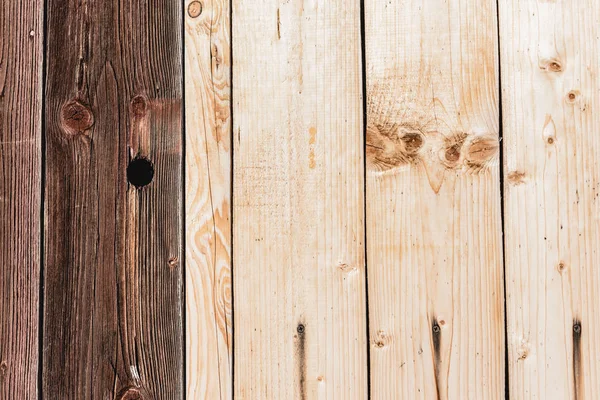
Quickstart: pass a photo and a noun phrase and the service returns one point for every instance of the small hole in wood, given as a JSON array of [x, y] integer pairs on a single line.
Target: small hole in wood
[[577, 328], [300, 329], [140, 172]]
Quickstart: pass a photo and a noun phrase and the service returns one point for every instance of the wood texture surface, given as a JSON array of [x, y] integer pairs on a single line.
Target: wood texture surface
[[298, 230], [113, 276], [21, 36], [433, 200], [208, 200], [550, 63]]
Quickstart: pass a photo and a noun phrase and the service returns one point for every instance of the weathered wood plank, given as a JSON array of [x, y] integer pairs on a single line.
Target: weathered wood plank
[[433, 200], [21, 38], [299, 282], [550, 57], [208, 200], [113, 279]]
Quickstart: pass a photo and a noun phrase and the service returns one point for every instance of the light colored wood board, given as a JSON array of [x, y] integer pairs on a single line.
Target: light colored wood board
[[433, 200], [21, 53], [299, 276], [550, 54], [208, 200]]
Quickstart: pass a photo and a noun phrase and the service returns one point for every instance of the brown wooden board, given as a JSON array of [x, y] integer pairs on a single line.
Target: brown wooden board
[[113, 276], [21, 37]]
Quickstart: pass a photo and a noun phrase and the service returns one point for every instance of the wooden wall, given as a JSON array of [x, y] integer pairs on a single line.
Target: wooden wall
[[299, 199]]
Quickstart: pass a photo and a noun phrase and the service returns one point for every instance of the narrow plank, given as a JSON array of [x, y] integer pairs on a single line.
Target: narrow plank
[[299, 276], [433, 200], [21, 38], [208, 200], [113, 279], [550, 57]]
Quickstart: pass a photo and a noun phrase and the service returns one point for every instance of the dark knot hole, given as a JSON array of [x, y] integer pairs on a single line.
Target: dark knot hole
[[140, 172]]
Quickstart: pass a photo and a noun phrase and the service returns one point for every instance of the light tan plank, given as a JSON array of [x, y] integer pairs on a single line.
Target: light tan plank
[[433, 200], [299, 282], [208, 186], [551, 116]]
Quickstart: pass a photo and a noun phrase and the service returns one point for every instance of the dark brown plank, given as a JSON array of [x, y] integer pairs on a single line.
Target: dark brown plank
[[113, 278], [21, 37]]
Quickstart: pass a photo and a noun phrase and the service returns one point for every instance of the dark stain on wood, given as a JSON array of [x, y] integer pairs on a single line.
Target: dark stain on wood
[[577, 372], [436, 339], [113, 305], [21, 33], [301, 359]]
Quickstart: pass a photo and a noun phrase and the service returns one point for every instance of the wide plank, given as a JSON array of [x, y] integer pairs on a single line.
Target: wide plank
[[298, 229], [434, 238], [113, 247], [208, 200], [21, 38], [550, 57]]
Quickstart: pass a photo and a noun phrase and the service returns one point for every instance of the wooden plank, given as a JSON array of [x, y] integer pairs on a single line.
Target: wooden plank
[[208, 200], [113, 279], [550, 63], [299, 282], [433, 200], [21, 37]]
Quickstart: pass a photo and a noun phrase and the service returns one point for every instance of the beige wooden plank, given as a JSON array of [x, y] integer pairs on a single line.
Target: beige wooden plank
[[433, 200], [550, 57], [208, 200], [299, 277]]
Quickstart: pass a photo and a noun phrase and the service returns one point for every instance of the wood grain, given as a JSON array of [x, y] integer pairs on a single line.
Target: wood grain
[[433, 200], [550, 63], [298, 230], [113, 279], [21, 37], [208, 200]]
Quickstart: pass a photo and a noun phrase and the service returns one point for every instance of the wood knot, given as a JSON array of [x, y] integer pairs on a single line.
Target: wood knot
[[76, 117], [139, 106], [572, 96], [482, 149], [301, 329], [346, 268], [561, 267], [130, 394], [452, 150], [577, 328], [381, 339], [195, 9], [388, 147], [551, 65], [516, 178], [3, 368]]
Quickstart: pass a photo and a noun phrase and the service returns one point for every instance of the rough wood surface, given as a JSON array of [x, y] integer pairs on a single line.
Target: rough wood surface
[[21, 36], [208, 200], [550, 64], [113, 277], [433, 200], [299, 276]]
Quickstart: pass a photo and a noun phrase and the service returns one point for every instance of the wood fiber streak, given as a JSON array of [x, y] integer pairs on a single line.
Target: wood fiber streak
[[208, 200], [550, 53], [433, 225], [298, 229], [21, 38], [113, 280]]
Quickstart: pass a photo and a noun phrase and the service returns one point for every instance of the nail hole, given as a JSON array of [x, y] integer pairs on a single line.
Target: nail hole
[[140, 172], [300, 329]]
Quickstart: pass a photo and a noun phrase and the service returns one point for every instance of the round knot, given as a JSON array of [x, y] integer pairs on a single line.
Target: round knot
[[76, 117], [195, 9]]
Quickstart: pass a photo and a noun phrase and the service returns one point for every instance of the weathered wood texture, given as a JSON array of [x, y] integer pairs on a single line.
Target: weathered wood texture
[[208, 200], [299, 277], [433, 200], [551, 115], [21, 37], [113, 276]]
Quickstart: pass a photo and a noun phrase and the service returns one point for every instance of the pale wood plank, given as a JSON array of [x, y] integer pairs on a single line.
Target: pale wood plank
[[550, 57], [208, 200], [299, 282], [433, 200]]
